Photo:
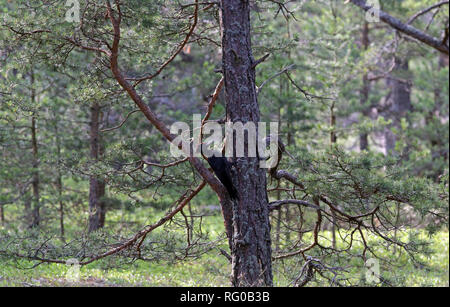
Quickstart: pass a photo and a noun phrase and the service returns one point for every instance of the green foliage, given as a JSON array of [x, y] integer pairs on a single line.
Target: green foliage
[[316, 70], [208, 270]]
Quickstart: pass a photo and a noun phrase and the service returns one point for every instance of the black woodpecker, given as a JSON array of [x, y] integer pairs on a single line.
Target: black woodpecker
[[222, 169]]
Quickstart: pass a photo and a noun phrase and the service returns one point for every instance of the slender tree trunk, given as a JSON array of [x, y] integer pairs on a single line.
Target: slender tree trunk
[[102, 207], [333, 140], [290, 117], [35, 215], [96, 186], [301, 222], [397, 219], [400, 101], [59, 184], [61, 206], [363, 138], [2, 214], [333, 136], [436, 140], [278, 230], [251, 244], [101, 187], [279, 212]]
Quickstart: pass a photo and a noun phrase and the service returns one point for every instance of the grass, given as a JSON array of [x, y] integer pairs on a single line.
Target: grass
[[213, 269]]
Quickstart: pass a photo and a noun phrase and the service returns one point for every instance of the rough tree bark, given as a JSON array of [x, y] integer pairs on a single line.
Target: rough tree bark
[[96, 186], [251, 243]]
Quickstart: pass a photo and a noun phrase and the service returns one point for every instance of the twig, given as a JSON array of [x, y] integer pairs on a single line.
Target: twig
[[122, 123], [424, 11], [290, 67], [405, 28]]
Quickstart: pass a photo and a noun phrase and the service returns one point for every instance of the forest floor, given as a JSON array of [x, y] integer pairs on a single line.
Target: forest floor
[[211, 269]]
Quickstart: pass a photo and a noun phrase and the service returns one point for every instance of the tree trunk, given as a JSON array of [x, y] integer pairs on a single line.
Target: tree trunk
[[35, 214], [2, 215], [96, 186], [101, 188], [59, 184], [251, 243], [333, 141], [61, 206], [363, 137], [400, 102], [278, 229], [438, 149]]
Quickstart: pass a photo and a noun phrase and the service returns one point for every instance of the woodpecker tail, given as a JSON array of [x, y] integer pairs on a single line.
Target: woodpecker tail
[[233, 193]]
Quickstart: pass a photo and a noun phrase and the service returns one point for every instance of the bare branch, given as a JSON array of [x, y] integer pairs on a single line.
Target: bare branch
[[259, 61], [424, 11], [277, 204], [405, 28], [290, 67], [122, 123], [180, 48]]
